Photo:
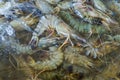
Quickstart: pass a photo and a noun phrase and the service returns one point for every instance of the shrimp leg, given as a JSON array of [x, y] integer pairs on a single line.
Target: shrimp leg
[[65, 42]]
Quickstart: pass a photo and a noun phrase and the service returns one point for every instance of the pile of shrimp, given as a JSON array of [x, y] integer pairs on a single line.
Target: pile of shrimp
[[60, 39]]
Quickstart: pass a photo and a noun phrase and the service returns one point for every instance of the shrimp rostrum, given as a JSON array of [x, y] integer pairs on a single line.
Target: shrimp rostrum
[[54, 22]]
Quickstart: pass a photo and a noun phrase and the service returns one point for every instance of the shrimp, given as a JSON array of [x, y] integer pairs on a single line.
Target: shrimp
[[100, 5], [114, 6], [44, 6], [54, 22], [8, 39], [81, 26], [21, 9], [55, 59], [102, 49], [72, 55], [88, 14], [115, 38]]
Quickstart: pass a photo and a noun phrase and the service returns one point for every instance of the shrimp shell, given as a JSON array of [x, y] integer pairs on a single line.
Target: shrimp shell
[[103, 49], [72, 55], [115, 38], [81, 26], [20, 48], [100, 5], [64, 5], [114, 6], [44, 6], [45, 42], [55, 59]]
